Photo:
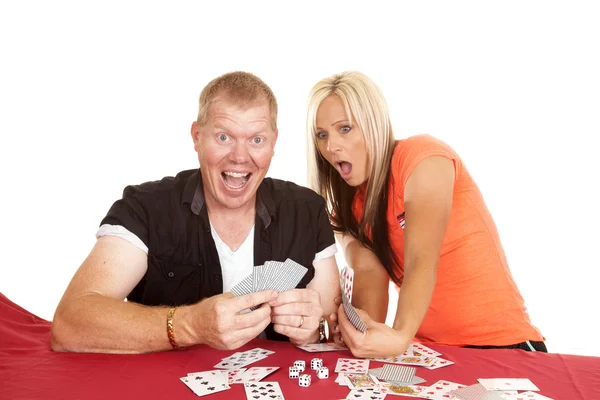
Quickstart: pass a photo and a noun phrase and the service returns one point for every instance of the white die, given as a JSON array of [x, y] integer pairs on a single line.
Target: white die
[[300, 364], [316, 363], [304, 380], [323, 373], [294, 373]]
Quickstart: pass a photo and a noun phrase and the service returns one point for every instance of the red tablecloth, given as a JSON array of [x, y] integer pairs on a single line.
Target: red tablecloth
[[30, 370]]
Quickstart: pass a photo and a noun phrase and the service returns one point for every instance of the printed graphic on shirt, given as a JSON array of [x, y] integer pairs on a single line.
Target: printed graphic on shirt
[[400, 219]]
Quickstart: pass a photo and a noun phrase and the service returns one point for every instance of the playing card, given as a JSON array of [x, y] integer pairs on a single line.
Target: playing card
[[417, 349], [321, 347], [208, 382], [229, 374], [257, 274], [478, 392], [341, 379], [416, 361], [528, 396], [239, 360], [439, 363], [397, 373], [255, 374], [347, 281], [263, 391], [508, 384], [440, 389], [357, 381], [365, 393], [352, 365], [352, 314], [270, 270], [399, 390], [244, 287]]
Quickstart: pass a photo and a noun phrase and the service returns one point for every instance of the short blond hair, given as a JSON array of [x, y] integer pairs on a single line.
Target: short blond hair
[[242, 88]]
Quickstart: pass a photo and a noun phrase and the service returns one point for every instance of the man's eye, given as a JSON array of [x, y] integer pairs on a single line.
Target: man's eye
[[258, 140], [223, 137]]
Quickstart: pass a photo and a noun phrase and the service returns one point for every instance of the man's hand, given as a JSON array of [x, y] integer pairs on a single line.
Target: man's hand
[[379, 340], [217, 321], [296, 313]]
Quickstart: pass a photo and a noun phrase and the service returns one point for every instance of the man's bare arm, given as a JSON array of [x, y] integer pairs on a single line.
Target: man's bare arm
[[93, 317]]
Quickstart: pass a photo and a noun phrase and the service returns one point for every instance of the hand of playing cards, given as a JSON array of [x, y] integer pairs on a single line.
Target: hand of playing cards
[[273, 275], [346, 282]]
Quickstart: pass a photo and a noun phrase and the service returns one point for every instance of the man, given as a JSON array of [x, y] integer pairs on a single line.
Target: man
[[175, 247]]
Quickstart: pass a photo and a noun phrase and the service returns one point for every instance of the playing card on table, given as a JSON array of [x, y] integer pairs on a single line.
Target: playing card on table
[[255, 374], [263, 391], [528, 396], [357, 381], [397, 373], [341, 379], [242, 359], [508, 384], [320, 347], [232, 374], [208, 382], [352, 365], [399, 390], [478, 392], [440, 389], [366, 393], [416, 361], [439, 363], [419, 350]]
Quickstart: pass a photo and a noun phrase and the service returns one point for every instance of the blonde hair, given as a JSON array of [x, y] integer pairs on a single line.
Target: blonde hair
[[242, 88], [363, 101]]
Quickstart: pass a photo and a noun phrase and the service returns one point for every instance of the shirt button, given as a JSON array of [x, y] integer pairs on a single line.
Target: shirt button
[[171, 274], [217, 277]]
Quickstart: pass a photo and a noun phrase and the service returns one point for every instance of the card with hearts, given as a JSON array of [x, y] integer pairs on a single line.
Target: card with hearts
[[352, 365]]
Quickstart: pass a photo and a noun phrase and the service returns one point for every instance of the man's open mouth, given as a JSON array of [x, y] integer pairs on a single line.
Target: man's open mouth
[[235, 180]]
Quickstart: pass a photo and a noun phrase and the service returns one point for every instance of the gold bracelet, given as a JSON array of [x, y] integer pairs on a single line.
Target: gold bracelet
[[170, 332]]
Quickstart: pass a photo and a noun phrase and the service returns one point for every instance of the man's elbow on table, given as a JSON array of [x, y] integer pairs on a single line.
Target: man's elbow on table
[[59, 338]]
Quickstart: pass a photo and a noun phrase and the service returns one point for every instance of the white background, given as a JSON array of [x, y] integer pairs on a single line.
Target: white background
[[96, 96]]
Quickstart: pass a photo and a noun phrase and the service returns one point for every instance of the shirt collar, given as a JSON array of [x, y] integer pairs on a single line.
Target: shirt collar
[[193, 194]]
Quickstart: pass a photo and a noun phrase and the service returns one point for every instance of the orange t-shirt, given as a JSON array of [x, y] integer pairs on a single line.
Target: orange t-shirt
[[475, 301]]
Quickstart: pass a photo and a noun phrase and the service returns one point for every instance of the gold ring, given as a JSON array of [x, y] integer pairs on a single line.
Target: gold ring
[[301, 321]]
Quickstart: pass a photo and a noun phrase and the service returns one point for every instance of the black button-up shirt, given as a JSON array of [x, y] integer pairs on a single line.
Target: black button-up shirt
[[171, 218]]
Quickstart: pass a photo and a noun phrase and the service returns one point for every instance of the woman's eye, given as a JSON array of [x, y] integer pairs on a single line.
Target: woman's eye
[[345, 129], [321, 135]]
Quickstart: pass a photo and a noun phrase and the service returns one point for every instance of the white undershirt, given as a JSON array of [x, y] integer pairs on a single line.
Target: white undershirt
[[235, 265]]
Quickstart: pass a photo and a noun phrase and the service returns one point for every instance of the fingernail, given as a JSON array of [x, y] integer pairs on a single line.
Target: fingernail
[[274, 294], [335, 327]]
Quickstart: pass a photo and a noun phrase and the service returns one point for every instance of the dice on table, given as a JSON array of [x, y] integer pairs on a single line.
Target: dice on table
[[323, 373], [294, 373], [316, 363], [300, 364], [304, 380]]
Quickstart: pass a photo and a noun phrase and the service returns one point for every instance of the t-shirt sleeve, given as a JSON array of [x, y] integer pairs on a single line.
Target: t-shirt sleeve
[[416, 149], [130, 213]]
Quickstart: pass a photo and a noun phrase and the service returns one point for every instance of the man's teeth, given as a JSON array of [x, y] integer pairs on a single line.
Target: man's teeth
[[236, 174]]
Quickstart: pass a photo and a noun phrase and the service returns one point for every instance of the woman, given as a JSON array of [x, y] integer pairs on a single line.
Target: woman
[[409, 211]]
